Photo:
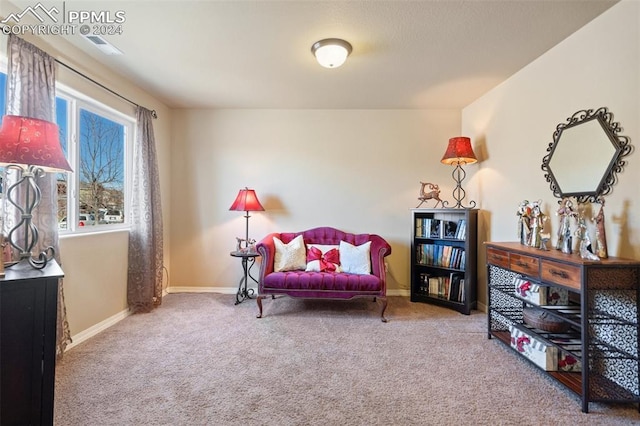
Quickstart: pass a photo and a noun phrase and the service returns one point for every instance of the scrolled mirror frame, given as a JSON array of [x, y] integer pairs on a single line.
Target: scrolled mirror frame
[[612, 129]]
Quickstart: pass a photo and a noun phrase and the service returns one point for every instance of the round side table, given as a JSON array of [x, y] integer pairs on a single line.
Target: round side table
[[248, 259]]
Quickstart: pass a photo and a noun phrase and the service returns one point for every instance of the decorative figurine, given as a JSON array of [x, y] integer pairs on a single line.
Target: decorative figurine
[[538, 220], [565, 212], [601, 237], [585, 240], [434, 194], [524, 222], [239, 242]]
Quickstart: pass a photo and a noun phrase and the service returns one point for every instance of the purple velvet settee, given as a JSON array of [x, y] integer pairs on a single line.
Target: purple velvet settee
[[324, 284]]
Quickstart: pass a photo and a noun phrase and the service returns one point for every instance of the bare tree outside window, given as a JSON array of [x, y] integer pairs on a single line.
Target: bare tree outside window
[[101, 174]]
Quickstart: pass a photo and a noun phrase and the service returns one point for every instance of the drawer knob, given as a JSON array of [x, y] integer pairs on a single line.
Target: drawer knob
[[522, 264]]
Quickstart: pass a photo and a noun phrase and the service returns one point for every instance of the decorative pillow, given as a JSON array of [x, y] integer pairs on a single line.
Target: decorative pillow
[[355, 259], [323, 258], [290, 256]]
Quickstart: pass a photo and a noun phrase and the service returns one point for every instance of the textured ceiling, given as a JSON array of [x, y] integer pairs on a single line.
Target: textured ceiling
[[256, 54]]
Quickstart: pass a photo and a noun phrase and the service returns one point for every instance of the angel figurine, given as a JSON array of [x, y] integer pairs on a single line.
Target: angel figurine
[[565, 212], [524, 219], [601, 237], [538, 219], [585, 240]]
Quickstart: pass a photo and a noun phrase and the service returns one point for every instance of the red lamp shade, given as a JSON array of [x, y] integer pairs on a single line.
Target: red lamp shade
[[459, 151], [246, 201], [31, 142]]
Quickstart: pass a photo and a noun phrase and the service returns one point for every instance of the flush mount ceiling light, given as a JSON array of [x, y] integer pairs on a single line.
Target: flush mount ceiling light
[[331, 52]]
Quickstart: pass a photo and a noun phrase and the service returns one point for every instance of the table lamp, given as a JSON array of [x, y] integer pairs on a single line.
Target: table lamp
[[459, 152], [31, 147]]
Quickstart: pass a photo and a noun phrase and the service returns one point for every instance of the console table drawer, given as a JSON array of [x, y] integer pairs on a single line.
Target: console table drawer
[[530, 266], [498, 257], [560, 273]]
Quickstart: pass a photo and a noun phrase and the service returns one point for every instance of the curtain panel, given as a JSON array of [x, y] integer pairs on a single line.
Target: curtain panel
[[31, 92], [144, 286]]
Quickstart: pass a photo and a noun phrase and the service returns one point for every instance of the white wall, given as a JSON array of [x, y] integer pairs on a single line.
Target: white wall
[[512, 126], [355, 170]]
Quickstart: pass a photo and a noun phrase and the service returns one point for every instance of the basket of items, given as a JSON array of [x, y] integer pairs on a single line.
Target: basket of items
[[543, 320]]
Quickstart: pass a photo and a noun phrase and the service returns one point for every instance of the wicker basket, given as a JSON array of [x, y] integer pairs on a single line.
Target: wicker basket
[[541, 319]]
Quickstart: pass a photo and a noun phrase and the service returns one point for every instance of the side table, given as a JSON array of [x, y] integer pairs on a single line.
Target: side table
[[248, 259]]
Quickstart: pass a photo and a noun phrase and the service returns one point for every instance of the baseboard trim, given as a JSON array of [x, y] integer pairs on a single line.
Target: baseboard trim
[[92, 331], [222, 290]]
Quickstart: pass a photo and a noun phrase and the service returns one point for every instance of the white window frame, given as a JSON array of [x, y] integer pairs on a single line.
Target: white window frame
[[75, 102]]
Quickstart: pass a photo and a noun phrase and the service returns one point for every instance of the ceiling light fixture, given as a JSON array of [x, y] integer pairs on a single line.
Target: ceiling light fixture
[[331, 52]]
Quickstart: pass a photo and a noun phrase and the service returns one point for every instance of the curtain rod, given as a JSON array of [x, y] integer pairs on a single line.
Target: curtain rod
[[154, 114]]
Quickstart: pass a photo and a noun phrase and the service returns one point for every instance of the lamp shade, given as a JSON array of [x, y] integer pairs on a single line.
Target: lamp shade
[[246, 201], [31, 142], [459, 151], [331, 52]]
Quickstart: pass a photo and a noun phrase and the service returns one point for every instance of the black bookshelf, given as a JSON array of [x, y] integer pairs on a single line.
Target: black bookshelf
[[444, 257]]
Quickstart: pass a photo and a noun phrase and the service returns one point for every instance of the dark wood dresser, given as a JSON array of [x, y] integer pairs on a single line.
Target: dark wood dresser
[[28, 310]]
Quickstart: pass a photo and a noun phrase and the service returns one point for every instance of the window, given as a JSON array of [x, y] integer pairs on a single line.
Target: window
[[3, 85], [97, 142]]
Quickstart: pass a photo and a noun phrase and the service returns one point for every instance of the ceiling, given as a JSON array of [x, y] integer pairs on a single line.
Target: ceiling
[[256, 54]]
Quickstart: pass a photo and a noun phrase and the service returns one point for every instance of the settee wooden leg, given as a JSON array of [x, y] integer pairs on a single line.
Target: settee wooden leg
[[384, 307], [259, 302]]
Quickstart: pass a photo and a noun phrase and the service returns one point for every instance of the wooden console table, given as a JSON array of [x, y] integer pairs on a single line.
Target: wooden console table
[[602, 310]]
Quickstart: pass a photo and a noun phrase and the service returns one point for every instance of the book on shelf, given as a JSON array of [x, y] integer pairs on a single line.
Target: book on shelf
[[461, 229], [448, 287], [456, 286], [427, 227], [424, 283], [433, 286], [449, 229], [444, 256], [435, 228]]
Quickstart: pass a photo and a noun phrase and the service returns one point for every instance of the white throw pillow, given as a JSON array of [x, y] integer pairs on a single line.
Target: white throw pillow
[[355, 259], [328, 266], [291, 256]]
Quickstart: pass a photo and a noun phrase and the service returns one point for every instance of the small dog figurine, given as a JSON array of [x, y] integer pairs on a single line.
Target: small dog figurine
[[239, 243]]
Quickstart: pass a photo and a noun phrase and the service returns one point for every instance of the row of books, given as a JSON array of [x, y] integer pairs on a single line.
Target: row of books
[[441, 255], [440, 228], [449, 287]]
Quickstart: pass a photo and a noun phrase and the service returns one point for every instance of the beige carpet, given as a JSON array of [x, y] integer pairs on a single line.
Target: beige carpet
[[200, 360]]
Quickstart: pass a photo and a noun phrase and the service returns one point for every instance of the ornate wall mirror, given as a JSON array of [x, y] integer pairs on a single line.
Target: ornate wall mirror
[[586, 154]]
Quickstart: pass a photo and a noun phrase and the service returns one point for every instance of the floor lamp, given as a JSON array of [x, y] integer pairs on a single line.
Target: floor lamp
[[246, 201], [32, 148]]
